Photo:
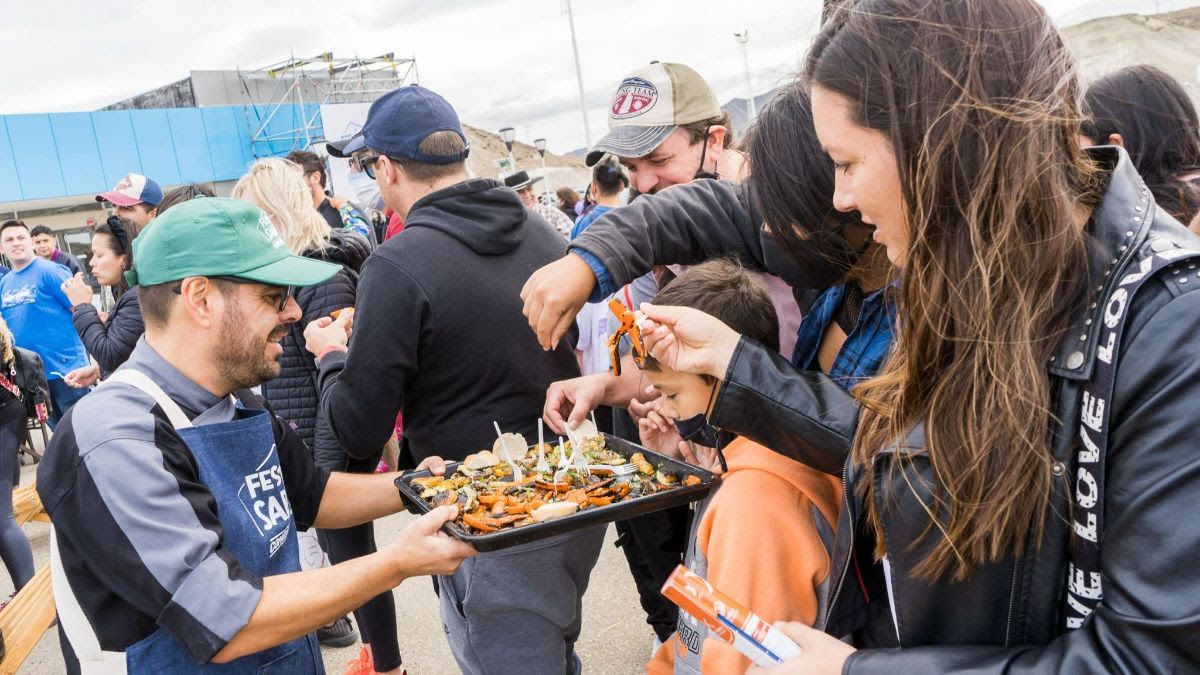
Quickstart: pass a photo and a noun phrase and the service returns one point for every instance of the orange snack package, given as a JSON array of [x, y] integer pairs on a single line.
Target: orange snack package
[[727, 620]]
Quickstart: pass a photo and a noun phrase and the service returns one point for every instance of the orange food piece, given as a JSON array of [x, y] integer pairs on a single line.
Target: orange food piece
[[490, 499], [478, 523], [517, 508], [600, 501], [561, 487], [691, 480], [578, 496]]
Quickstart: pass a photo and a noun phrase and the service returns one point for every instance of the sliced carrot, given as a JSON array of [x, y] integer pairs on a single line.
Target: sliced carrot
[[600, 501], [478, 523], [489, 499]]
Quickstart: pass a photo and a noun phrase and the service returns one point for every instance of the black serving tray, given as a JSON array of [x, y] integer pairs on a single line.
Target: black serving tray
[[595, 515]]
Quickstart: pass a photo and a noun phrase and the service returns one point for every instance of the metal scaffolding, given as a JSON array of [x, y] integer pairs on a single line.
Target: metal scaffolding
[[319, 79]]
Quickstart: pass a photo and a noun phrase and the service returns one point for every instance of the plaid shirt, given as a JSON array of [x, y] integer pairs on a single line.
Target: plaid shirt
[[865, 348]]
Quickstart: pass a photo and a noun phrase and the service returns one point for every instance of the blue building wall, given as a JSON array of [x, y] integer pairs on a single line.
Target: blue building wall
[[63, 154]]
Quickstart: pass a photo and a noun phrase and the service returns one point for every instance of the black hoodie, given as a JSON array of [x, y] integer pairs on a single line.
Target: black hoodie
[[439, 333]]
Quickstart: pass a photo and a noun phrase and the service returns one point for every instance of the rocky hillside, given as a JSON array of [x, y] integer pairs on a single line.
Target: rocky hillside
[[486, 148], [1170, 41]]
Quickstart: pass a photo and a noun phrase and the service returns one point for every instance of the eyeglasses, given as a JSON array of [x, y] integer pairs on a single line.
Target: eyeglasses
[[366, 164], [288, 291]]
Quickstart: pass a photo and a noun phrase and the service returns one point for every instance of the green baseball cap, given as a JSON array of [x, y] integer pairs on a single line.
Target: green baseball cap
[[219, 237]]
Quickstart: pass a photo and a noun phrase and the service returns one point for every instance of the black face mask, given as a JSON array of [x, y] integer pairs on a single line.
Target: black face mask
[[701, 173], [823, 261], [697, 429]]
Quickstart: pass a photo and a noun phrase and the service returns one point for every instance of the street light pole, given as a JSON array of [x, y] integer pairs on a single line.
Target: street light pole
[[508, 135], [742, 38], [540, 144], [587, 129]]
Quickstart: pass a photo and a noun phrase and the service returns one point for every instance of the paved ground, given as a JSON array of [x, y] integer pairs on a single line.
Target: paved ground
[[615, 639]]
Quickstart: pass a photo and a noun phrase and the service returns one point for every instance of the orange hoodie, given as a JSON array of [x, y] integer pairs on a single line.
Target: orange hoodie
[[762, 545]]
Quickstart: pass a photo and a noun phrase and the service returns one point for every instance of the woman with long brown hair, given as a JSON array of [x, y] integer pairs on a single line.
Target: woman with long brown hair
[[1022, 493]]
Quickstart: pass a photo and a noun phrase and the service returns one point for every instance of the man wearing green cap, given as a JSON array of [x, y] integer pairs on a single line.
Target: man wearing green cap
[[175, 495]]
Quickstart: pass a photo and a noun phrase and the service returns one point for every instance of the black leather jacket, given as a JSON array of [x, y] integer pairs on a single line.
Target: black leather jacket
[[1007, 617]]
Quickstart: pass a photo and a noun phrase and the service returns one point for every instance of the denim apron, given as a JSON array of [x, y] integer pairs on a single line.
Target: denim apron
[[239, 464]]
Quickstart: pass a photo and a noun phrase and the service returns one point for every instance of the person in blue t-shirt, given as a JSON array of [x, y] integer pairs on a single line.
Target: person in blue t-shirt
[[39, 314], [608, 180]]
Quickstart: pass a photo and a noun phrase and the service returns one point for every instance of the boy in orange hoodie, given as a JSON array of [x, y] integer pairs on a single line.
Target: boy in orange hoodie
[[762, 537]]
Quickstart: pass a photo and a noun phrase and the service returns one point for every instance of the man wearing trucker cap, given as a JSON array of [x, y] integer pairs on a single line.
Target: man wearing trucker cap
[[174, 492], [666, 126], [438, 333], [135, 199]]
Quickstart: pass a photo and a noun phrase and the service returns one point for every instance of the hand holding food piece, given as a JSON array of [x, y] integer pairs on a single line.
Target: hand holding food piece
[[77, 290], [688, 340], [82, 378], [327, 332], [349, 312], [554, 294], [423, 549], [568, 402]]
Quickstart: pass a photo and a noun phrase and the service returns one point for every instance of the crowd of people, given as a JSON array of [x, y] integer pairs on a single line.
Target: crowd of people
[[931, 321]]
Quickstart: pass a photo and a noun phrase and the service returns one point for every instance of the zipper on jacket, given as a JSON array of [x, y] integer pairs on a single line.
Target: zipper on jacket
[[1012, 602], [837, 590]]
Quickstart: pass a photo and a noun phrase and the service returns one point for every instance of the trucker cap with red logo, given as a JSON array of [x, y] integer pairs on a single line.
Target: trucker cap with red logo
[[133, 189], [649, 104]]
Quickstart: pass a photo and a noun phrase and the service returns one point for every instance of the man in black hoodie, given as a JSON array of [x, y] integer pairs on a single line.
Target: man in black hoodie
[[438, 334]]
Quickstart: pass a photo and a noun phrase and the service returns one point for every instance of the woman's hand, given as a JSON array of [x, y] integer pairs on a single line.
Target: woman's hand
[[820, 653], [554, 294], [688, 340], [77, 290], [82, 378]]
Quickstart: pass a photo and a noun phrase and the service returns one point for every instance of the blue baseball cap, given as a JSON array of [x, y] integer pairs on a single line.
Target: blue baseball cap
[[399, 120]]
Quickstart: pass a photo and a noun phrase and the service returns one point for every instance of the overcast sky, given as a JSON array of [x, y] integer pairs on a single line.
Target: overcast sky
[[499, 62]]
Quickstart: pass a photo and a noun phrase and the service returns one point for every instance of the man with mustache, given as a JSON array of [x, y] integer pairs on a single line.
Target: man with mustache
[[176, 494]]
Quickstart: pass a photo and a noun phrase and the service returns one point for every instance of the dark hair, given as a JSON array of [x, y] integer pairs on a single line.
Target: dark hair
[[310, 162], [120, 237], [12, 223], [180, 195], [40, 229], [609, 177], [790, 186], [438, 144], [698, 131], [155, 303], [979, 102], [724, 289], [1159, 129]]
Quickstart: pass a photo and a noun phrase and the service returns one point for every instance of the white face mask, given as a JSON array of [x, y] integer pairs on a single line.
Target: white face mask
[[366, 190]]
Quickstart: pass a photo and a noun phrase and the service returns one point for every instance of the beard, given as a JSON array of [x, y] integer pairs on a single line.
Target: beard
[[242, 360]]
